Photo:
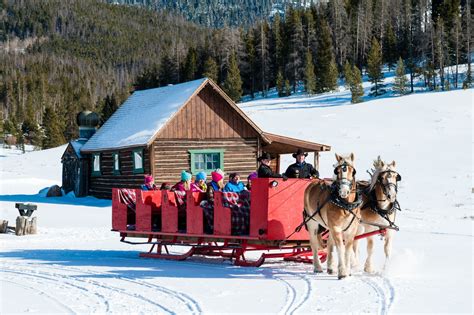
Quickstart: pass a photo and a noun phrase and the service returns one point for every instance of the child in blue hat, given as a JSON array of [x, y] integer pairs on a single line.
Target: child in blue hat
[[184, 184], [199, 184]]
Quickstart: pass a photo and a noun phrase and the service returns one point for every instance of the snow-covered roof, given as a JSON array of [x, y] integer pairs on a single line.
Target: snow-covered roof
[[141, 116], [77, 145]]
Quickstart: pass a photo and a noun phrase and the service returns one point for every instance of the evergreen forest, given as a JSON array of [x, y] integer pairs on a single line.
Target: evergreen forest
[[59, 57]]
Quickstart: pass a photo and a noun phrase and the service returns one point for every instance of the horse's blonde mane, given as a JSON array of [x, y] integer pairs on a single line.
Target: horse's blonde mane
[[379, 167]]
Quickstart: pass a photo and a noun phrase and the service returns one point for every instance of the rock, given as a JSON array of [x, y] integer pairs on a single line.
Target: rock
[[54, 191]]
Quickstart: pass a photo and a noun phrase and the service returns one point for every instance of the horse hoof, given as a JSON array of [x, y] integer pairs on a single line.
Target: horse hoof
[[317, 271], [341, 277], [330, 271]]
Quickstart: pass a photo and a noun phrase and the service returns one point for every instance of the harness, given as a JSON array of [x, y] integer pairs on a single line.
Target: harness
[[373, 201]]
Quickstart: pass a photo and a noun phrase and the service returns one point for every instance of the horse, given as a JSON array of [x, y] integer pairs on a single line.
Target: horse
[[336, 208], [379, 209]]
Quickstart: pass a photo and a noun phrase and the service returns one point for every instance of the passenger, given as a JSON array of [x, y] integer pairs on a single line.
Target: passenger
[[184, 184], [217, 184], [165, 186], [234, 184], [264, 171], [301, 169], [149, 183], [199, 184], [250, 178]]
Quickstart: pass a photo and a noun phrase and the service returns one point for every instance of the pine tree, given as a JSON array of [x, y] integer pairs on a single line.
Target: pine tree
[[353, 82], [109, 107], [210, 69], [168, 71], [309, 76], [287, 87], [468, 80], [149, 79], [233, 82], [52, 129], [190, 66], [374, 67], [390, 47], [348, 76], [279, 84], [357, 91], [400, 82], [276, 46], [333, 75], [326, 77], [295, 65]]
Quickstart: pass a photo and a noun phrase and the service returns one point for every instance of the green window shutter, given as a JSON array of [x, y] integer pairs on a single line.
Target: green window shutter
[[137, 158], [96, 161], [116, 161], [206, 160]]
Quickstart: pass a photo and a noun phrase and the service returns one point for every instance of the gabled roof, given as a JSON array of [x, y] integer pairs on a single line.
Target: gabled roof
[[145, 113]]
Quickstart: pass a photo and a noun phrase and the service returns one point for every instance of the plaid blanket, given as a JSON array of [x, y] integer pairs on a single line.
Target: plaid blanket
[[128, 197], [239, 203]]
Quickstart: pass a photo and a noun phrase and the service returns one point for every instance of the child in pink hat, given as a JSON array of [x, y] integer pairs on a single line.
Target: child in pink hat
[[217, 184], [149, 183]]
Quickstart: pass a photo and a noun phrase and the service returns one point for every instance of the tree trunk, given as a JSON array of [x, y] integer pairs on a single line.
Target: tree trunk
[[3, 226]]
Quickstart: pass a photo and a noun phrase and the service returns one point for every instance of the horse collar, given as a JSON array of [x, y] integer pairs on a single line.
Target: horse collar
[[341, 203]]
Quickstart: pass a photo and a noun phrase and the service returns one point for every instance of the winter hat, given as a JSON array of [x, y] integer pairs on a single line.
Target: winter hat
[[201, 176], [149, 179], [252, 176], [265, 156], [185, 176], [299, 152], [217, 176]]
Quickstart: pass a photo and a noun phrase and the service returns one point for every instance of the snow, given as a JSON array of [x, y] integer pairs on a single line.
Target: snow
[[75, 264], [141, 116]]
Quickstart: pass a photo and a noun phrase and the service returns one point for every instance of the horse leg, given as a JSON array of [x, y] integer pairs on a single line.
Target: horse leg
[[330, 258], [370, 249], [355, 257], [387, 247], [339, 242], [349, 254], [314, 241]]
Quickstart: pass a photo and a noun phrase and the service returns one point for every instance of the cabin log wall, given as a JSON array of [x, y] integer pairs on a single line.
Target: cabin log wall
[[172, 156], [101, 186]]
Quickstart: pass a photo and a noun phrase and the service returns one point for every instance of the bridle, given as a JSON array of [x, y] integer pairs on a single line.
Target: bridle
[[386, 186], [345, 181]]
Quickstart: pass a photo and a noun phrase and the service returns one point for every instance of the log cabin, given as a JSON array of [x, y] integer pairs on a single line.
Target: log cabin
[[190, 126]]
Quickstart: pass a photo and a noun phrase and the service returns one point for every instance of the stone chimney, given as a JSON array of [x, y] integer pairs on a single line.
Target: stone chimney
[[87, 122]]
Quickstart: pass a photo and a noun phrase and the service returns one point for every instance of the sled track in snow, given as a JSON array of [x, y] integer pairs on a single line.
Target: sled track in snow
[[385, 291], [291, 305], [39, 280], [188, 302], [43, 293]]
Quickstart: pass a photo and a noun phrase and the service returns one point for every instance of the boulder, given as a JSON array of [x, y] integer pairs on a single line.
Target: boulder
[[54, 191]]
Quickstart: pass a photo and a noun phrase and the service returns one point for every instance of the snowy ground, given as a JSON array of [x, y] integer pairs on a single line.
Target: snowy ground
[[76, 265]]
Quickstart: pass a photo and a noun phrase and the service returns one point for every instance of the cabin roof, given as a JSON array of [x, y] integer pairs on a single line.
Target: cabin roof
[[284, 145], [144, 114], [141, 116], [76, 146]]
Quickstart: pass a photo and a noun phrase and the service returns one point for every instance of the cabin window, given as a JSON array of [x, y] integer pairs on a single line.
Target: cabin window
[[206, 160], [137, 157], [96, 164], [116, 159]]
